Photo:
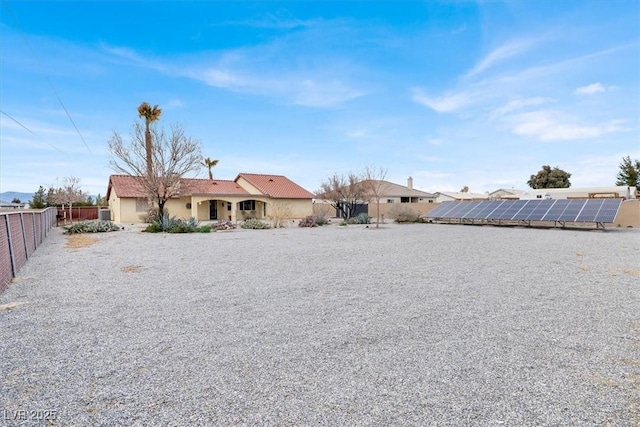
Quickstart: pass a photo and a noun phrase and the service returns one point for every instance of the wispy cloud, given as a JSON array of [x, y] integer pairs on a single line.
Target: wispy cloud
[[591, 89], [548, 126], [442, 104], [518, 104], [500, 54]]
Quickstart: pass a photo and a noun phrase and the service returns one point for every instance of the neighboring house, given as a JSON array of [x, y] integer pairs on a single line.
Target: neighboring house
[[506, 193], [445, 196], [10, 205], [247, 196], [580, 193], [395, 193]]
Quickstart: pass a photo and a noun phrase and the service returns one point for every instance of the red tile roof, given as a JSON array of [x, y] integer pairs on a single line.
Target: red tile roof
[[276, 186], [130, 186]]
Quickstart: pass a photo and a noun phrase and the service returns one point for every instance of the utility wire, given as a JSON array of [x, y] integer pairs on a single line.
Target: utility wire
[[29, 130], [40, 68]]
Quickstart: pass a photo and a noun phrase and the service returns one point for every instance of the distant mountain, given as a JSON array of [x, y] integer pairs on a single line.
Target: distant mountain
[[8, 196]]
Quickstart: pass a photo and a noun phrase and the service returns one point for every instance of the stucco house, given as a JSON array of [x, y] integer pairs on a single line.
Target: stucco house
[[506, 193], [247, 196], [580, 193], [446, 196], [395, 193]]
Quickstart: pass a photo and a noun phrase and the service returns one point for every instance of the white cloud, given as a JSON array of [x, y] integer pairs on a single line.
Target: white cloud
[[434, 141], [500, 54], [518, 104], [591, 89], [546, 126], [442, 104]]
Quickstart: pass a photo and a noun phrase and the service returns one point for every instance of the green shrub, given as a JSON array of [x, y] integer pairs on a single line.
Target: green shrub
[[363, 218], [254, 224], [174, 225], [94, 226], [321, 220], [309, 221]]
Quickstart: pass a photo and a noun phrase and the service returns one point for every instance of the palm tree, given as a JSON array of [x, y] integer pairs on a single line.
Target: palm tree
[[210, 164], [150, 114]]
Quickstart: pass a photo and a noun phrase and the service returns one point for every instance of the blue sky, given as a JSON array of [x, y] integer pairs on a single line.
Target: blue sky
[[452, 93]]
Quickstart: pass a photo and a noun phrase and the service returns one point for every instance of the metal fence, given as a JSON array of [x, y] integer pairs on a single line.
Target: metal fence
[[78, 213], [20, 235]]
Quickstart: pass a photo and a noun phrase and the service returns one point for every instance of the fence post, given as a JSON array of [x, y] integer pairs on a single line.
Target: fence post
[[24, 235], [11, 251], [33, 225]]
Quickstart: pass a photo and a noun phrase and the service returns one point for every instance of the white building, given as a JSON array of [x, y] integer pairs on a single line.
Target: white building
[[580, 193]]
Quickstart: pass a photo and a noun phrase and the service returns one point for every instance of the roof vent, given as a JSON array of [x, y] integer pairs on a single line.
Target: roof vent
[[270, 179]]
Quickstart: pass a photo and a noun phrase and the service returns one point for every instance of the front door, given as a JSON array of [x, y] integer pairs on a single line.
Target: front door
[[213, 209]]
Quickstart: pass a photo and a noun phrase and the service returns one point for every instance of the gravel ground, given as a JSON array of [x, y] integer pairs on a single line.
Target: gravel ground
[[425, 325]]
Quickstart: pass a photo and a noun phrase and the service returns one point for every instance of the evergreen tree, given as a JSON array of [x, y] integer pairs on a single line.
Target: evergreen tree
[[629, 173]]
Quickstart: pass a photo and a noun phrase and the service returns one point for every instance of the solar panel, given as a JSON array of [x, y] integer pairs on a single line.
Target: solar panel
[[487, 208], [477, 207], [466, 208], [501, 209], [556, 210], [573, 210], [589, 211], [526, 210], [452, 213], [540, 210], [608, 211], [440, 211], [512, 208]]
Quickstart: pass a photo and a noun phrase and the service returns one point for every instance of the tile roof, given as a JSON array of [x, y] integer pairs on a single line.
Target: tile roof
[[276, 186], [130, 186], [390, 189]]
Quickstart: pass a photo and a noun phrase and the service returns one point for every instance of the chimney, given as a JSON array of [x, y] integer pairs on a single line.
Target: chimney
[[410, 183]]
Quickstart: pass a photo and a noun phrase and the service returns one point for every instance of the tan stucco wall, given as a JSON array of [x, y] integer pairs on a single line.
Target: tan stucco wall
[[114, 206], [128, 212], [629, 214], [385, 208], [294, 208]]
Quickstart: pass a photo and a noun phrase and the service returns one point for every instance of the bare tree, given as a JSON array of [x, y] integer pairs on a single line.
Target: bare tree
[[69, 193], [173, 156], [374, 183], [277, 212], [343, 193], [464, 189]]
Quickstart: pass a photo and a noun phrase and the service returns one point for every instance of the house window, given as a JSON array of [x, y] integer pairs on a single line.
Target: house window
[[539, 196], [430, 201], [142, 204], [229, 206], [405, 199], [248, 205], [389, 200]]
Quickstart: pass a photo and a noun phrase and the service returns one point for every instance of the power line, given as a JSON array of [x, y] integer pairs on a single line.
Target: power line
[[29, 130], [40, 68]]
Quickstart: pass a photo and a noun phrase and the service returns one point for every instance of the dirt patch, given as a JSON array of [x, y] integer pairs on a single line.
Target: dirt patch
[[11, 305], [131, 268], [76, 241]]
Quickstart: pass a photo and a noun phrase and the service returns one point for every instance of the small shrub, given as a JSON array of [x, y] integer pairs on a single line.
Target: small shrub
[[94, 226], [363, 218], [255, 224], [343, 223], [403, 214], [173, 225], [226, 225], [321, 220], [309, 221]]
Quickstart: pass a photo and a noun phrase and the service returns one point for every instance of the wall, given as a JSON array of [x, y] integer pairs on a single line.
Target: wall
[[629, 214], [293, 208], [20, 235]]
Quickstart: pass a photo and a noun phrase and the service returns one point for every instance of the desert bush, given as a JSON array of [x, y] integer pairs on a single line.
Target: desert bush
[[226, 225], [321, 219], [363, 218], [94, 226], [309, 221], [254, 224], [174, 225], [402, 214]]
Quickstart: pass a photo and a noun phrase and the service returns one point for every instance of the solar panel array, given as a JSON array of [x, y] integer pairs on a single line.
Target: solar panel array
[[563, 210]]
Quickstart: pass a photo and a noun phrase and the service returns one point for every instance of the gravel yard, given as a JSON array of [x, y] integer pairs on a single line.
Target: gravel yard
[[424, 324]]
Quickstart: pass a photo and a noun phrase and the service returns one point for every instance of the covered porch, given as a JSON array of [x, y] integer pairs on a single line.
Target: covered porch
[[228, 208]]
